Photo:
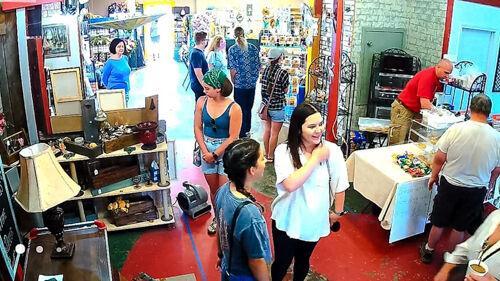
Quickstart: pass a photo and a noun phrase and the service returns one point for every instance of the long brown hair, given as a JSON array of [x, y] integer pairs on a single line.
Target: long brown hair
[[299, 116], [239, 35]]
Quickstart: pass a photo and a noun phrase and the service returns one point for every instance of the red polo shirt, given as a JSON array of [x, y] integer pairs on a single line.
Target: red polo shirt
[[423, 85]]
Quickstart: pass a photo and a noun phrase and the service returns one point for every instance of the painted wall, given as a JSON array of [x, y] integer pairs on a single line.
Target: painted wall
[[423, 21], [74, 59], [475, 36]]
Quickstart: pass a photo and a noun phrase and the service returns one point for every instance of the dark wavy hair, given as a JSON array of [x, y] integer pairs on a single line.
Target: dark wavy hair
[[114, 43], [227, 88], [241, 155], [299, 116]]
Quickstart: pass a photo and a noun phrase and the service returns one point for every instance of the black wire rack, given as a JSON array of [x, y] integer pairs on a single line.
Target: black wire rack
[[455, 89], [346, 102]]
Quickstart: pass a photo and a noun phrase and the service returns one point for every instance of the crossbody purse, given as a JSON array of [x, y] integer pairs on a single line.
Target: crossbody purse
[[264, 105]]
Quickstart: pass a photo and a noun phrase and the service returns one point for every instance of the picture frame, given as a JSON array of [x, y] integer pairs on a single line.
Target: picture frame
[[66, 90], [111, 99], [56, 40], [10, 146]]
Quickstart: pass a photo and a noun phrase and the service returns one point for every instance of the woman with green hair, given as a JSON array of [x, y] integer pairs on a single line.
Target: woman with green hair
[[217, 123]]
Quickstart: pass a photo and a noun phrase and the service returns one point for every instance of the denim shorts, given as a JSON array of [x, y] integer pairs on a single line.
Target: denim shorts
[[277, 115], [217, 167]]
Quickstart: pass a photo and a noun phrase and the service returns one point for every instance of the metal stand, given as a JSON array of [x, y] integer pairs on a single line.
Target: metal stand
[[346, 103], [453, 89]]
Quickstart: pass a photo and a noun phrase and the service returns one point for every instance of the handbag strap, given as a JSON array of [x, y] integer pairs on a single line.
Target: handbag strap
[[329, 183], [231, 232]]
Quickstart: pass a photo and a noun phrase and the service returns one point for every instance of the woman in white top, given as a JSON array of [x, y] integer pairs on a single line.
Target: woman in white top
[[216, 54], [487, 235], [301, 212]]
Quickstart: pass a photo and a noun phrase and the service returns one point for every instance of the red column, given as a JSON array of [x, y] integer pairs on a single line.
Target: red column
[[331, 126], [447, 26]]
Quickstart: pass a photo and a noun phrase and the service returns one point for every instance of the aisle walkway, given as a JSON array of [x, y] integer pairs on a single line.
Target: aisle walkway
[[359, 252]]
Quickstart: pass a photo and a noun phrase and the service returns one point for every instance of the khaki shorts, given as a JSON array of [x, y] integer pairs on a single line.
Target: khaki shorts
[[400, 123]]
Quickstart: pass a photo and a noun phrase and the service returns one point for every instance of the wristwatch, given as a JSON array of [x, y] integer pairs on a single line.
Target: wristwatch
[[215, 156], [339, 213]]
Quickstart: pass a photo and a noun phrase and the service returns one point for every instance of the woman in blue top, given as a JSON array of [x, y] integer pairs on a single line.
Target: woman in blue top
[[216, 54], [244, 66], [244, 252], [217, 122], [116, 72]]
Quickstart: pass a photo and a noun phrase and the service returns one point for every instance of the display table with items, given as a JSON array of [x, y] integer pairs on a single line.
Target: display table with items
[[379, 175], [119, 186], [90, 260]]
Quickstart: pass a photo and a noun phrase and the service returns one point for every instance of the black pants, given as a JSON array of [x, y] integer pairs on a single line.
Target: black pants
[[286, 249], [245, 98]]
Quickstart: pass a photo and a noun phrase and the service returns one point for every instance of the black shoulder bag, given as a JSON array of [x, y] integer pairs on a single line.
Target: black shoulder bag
[[227, 274]]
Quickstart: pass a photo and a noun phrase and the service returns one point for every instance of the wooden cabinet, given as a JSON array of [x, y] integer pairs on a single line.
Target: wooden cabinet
[[89, 262], [160, 192]]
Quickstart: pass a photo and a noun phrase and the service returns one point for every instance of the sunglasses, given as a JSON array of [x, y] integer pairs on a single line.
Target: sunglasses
[[214, 126]]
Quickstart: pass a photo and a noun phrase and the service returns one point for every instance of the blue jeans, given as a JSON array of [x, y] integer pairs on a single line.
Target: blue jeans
[[245, 98], [218, 166], [277, 116]]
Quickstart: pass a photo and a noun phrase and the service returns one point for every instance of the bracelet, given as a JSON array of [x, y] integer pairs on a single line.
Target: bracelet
[[339, 213], [215, 156]]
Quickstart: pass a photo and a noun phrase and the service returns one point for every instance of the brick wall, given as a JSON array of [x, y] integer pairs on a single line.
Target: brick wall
[[425, 29], [423, 21]]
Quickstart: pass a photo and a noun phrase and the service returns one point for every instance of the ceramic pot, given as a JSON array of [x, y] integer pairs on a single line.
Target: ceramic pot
[[147, 134]]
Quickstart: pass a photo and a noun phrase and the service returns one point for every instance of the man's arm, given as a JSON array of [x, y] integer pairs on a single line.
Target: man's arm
[[259, 269], [437, 165], [426, 103], [493, 179], [199, 75], [232, 71]]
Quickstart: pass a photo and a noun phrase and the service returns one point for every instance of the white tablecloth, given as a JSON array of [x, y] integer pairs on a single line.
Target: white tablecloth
[[375, 175]]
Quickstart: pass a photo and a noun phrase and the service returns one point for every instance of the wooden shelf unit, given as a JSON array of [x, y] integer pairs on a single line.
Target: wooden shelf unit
[[160, 191]]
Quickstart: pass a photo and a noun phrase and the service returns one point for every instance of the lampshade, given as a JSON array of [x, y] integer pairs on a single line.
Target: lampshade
[[44, 183]]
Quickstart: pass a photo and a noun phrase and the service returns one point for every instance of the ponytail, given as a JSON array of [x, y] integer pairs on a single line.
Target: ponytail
[[239, 35]]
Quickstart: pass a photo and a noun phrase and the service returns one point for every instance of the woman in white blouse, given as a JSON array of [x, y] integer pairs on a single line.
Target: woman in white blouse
[[300, 213], [488, 234]]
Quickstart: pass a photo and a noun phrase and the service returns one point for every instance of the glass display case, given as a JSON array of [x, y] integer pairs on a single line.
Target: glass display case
[[424, 133], [426, 138]]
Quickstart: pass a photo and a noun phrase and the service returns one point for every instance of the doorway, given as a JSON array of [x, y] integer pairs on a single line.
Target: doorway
[[375, 40]]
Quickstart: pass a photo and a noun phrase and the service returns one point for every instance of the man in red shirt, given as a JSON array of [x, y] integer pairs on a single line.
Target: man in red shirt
[[418, 94]]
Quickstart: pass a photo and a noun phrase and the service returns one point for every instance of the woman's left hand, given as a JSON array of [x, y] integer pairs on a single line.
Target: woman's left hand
[[333, 217], [208, 157], [487, 277]]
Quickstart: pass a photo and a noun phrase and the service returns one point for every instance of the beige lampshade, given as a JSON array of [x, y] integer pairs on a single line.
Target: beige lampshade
[[44, 183]]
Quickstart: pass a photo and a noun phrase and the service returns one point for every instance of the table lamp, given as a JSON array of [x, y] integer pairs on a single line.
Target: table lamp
[[44, 185]]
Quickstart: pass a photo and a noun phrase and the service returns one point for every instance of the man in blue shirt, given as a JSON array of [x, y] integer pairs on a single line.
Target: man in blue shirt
[[198, 65], [244, 66]]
